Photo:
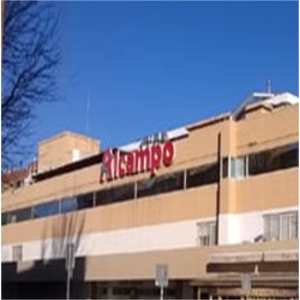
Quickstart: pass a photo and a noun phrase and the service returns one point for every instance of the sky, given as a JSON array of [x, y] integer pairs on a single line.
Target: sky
[[154, 66]]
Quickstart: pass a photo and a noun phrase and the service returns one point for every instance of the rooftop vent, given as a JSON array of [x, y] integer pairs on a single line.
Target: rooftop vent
[[282, 99], [271, 99]]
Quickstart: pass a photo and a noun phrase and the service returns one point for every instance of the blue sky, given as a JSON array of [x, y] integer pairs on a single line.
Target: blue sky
[[152, 66]]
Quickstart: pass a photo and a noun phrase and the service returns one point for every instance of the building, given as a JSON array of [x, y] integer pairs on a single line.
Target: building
[[215, 201]]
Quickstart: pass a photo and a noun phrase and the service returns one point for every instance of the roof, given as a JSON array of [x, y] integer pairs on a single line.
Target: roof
[[283, 98]]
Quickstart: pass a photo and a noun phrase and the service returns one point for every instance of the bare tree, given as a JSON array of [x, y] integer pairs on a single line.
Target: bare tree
[[29, 70]]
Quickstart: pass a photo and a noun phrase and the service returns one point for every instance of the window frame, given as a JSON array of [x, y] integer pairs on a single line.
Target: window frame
[[17, 253], [206, 233], [281, 233], [46, 205]]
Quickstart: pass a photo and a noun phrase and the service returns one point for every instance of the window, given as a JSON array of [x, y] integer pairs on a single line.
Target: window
[[271, 227], [203, 175], [19, 215], [281, 226], [17, 253], [206, 234], [121, 291], [274, 159], [115, 194], [162, 184], [238, 167], [289, 226], [68, 205], [3, 219], [85, 201], [225, 167], [262, 162], [290, 158], [46, 209]]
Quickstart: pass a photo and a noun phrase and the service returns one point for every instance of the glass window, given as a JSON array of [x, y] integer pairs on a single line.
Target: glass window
[[85, 201], [68, 205], [46, 209], [281, 226], [207, 174], [115, 194], [20, 215], [289, 226], [162, 184], [290, 157], [206, 234], [4, 219], [225, 167], [17, 253], [258, 163], [271, 224], [274, 159], [238, 167]]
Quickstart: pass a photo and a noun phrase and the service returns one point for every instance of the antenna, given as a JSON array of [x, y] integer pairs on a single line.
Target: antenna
[[87, 114], [269, 86]]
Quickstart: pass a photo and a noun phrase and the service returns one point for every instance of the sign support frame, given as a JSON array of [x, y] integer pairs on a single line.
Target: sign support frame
[[162, 278], [70, 265]]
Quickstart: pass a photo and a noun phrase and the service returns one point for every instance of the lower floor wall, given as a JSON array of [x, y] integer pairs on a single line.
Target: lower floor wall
[[139, 290], [96, 290]]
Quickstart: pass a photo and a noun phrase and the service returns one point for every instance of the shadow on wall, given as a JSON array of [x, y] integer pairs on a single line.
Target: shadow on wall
[[46, 278]]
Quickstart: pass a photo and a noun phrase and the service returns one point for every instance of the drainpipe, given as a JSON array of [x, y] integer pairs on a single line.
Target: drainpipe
[[218, 196]]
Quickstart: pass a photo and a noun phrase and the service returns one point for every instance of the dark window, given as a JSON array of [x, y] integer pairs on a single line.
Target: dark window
[[162, 184], [69, 204], [19, 215], [225, 167], [121, 291], [146, 293], [263, 162], [3, 219], [203, 175], [85, 201], [274, 159], [151, 293], [290, 158], [46, 209], [115, 194]]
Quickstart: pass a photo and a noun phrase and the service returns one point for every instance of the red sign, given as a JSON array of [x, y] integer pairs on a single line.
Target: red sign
[[147, 159]]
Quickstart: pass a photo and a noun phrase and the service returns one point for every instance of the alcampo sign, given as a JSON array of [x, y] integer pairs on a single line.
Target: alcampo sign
[[148, 158]]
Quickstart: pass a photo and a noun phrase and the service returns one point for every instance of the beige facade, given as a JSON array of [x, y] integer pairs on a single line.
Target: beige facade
[[65, 148], [122, 240]]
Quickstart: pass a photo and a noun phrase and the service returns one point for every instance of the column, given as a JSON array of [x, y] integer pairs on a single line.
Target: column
[[110, 292]]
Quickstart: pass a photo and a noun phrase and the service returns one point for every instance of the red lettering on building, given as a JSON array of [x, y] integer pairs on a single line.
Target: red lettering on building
[[122, 166], [106, 169], [130, 167], [146, 159], [155, 158], [168, 153], [142, 160]]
